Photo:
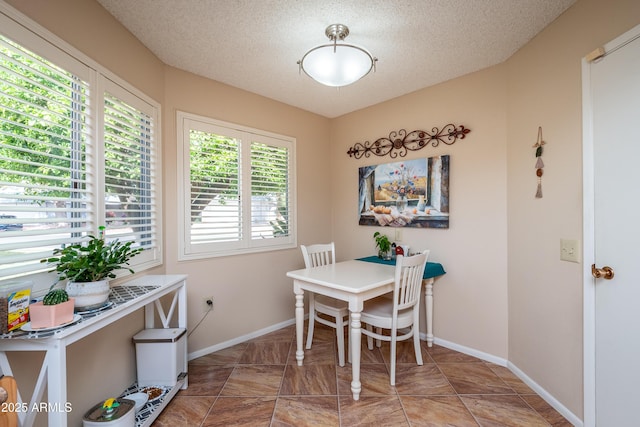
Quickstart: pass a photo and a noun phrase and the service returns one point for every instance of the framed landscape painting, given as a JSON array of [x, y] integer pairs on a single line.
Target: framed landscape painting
[[411, 193]]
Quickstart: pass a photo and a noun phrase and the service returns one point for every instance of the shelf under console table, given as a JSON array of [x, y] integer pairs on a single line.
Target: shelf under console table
[[143, 292]]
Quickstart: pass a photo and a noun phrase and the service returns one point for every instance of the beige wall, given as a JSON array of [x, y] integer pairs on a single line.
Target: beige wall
[[545, 294], [505, 293], [471, 299], [250, 292]]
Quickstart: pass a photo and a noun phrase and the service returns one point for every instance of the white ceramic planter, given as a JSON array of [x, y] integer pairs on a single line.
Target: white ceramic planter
[[89, 295]]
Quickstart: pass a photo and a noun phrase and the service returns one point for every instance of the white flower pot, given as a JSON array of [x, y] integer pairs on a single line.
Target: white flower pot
[[89, 295]]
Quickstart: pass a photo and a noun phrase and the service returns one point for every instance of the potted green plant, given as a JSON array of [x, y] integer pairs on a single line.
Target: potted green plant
[[88, 267], [56, 308], [383, 244]]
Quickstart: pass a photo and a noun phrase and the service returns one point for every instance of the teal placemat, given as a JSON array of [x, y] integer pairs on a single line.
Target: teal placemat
[[433, 269]]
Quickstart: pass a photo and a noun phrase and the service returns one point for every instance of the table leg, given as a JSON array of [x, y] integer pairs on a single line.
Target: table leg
[[56, 360], [354, 344], [428, 302], [299, 324], [181, 294]]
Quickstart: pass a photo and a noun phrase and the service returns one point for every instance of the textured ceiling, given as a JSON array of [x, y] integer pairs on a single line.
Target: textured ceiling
[[255, 44]]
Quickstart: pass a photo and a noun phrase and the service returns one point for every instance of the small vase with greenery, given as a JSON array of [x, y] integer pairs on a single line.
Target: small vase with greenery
[[94, 261], [383, 244]]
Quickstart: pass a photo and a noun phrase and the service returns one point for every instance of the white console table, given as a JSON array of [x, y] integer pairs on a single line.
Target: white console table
[[126, 298]]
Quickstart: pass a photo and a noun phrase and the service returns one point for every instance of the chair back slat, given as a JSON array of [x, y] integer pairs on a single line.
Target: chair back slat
[[318, 254], [409, 272]]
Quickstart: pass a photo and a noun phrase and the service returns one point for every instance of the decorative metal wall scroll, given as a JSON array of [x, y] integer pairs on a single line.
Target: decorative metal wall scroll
[[539, 164], [401, 142]]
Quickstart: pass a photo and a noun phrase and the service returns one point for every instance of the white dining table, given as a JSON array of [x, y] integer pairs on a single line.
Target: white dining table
[[352, 281]]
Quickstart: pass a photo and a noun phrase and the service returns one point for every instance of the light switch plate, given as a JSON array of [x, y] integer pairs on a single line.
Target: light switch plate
[[570, 250]]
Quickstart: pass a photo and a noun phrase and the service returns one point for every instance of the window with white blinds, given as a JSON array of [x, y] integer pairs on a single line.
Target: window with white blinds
[[130, 171], [56, 183], [237, 188], [269, 191]]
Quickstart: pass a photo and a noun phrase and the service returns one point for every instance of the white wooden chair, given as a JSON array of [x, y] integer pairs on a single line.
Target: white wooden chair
[[400, 313], [317, 255]]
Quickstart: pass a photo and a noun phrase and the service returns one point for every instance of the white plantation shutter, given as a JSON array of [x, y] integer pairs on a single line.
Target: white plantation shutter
[[44, 140], [237, 188], [130, 170], [270, 190], [71, 142], [215, 214]]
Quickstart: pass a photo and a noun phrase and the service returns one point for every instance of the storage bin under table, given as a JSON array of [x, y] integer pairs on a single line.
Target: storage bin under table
[[160, 355]]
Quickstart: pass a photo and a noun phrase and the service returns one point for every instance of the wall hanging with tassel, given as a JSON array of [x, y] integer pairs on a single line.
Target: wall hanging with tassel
[[539, 164]]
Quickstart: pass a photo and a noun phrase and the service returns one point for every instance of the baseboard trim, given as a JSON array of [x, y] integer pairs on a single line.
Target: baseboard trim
[[570, 416], [470, 351], [240, 339]]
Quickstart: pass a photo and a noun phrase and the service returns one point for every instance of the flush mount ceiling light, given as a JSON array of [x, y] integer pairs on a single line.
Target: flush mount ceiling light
[[337, 64]]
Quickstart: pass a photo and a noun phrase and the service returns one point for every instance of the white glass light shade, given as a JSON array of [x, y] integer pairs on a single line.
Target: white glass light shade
[[337, 64]]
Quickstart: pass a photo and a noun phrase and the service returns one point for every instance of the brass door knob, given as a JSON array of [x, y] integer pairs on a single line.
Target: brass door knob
[[604, 272]]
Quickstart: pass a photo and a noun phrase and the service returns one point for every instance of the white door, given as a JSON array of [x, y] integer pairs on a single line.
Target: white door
[[612, 209]]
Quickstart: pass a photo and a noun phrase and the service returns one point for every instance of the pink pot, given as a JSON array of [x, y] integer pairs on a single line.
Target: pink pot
[[47, 316]]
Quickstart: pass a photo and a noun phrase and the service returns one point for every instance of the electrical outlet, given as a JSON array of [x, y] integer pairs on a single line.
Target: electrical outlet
[[570, 250], [398, 237], [207, 304]]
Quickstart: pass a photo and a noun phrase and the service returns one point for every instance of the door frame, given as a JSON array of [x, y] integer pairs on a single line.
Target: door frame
[[588, 232], [588, 253]]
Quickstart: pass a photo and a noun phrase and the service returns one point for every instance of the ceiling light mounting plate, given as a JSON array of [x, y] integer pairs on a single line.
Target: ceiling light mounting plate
[[337, 32]]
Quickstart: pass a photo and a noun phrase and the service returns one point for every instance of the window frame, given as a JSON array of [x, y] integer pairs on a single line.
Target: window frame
[[151, 257], [185, 122], [42, 42]]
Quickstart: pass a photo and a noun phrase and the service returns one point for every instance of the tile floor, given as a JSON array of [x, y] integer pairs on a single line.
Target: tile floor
[[258, 383]]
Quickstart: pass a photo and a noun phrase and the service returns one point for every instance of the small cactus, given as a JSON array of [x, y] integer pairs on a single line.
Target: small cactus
[[55, 296]]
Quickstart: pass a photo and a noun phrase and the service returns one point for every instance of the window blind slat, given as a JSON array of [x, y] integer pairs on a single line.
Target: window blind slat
[[40, 146]]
